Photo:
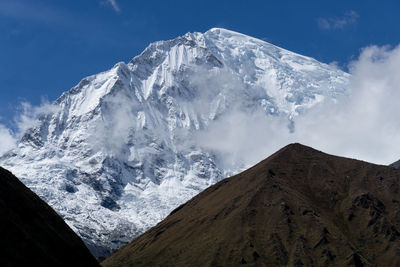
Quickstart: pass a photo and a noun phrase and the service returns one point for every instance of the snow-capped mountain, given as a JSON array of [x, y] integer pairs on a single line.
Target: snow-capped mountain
[[120, 150]]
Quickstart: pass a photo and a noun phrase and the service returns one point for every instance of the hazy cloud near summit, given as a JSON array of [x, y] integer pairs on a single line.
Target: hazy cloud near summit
[[365, 125]]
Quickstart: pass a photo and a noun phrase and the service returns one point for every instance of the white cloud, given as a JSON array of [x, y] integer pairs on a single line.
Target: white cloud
[[111, 134], [349, 18], [27, 115], [7, 139], [365, 125], [241, 138]]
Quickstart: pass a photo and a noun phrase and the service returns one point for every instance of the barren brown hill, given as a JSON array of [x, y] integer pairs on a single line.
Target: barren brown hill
[[299, 207], [32, 233]]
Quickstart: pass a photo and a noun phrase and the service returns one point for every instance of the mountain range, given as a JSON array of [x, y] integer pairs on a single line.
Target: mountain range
[[119, 151]]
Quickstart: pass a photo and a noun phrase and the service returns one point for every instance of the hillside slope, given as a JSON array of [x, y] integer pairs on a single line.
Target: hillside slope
[[298, 207], [32, 233]]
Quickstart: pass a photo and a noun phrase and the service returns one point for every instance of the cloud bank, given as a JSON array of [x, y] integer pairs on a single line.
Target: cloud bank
[[364, 126]]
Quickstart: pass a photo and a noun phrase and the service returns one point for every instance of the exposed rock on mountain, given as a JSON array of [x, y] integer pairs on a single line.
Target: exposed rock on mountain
[[32, 233], [298, 207]]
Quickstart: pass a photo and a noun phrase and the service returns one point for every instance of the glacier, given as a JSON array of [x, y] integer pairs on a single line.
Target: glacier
[[120, 150]]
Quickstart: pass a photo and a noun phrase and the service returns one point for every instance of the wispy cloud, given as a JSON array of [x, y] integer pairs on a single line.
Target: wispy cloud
[[32, 12], [47, 16], [26, 117], [349, 18], [8, 141], [113, 4]]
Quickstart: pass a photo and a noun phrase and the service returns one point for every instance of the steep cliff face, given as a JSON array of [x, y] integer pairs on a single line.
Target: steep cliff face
[[120, 150]]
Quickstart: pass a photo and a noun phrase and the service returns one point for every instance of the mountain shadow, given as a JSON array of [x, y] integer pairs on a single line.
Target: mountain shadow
[[32, 233], [298, 207]]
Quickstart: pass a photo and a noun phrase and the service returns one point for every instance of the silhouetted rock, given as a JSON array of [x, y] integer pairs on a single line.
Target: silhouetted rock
[[32, 233]]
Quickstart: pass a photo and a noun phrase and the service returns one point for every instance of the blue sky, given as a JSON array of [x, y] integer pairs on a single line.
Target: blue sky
[[48, 46]]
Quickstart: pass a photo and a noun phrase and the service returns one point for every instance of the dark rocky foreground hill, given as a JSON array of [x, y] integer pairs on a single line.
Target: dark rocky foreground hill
[[299, 207], [32, 233]]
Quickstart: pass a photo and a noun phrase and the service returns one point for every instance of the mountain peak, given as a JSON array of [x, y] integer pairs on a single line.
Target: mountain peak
[[296, 147], [294, 151]]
